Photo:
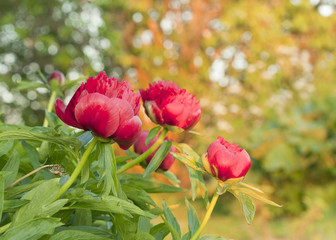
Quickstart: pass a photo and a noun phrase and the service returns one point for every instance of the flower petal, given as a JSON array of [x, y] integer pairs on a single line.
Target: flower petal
[[98, 113], [128, 132], [64, 115]]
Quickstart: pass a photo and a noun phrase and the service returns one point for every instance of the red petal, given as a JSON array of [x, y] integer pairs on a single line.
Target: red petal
[[98, 113], [65, 116], [128, 132]]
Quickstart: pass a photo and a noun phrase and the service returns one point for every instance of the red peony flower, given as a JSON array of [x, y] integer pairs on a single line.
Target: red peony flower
[[166, 103], [225, 160], [58, 76], [105, 106], [140, 148]]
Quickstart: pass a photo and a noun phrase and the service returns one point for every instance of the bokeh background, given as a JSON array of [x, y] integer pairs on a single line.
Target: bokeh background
[[264, 72]]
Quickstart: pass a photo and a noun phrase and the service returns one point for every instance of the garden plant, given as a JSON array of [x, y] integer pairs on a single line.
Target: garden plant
[[61, 182]]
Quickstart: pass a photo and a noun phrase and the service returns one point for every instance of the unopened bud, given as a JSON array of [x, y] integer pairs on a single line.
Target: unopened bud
[[58, 76]]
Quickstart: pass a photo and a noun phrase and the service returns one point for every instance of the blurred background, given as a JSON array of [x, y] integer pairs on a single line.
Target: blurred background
[[264, 72]]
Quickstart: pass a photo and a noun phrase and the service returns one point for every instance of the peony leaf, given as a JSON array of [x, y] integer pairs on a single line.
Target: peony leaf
[[27, 85], [158, 158], [247, 204], [38, 136], [33, 229], [151, 135], [11, 205], [159, 231], [6, 146], [107, 169], [108, 204], [193, 222], [171, 177], [148, 184], [11, 168], [172, 222], [255, 194], [76, 234], [40, 205], [144, 225]]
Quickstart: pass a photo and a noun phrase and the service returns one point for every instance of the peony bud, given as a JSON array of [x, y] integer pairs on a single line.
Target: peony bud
[[167, 104], [105, 106], [58, 76], [140, 148], [226, 161]]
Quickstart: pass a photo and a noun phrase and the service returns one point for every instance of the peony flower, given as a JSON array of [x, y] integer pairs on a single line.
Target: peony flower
[[58, 76], [140, 148], [105, 106], [225, 160], [167, 104]]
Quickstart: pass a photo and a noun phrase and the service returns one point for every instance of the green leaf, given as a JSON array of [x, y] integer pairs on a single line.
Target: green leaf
[[254, 193], [137, 194], [76, 234], [5, 147], [172, 221], [83, 217], [32, 154], [107, 169], [171, 177], [2, 194], [52, 118], [142, 236], [37, 136], [144, 224], [247, 204], [123, 159], [85, 138], [26, 85], [33, 229], [97, 231], [108, 204], [193, 222], [151, 135], [11, 168], [193, 176], [41, 198], [159, 231], [158, 158], [148, 184], [126, 228], [11, 205], [14, 191]]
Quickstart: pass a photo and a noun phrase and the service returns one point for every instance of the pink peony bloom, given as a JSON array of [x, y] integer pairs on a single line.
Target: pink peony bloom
[[105, 106], [167, 104], [226, 160]]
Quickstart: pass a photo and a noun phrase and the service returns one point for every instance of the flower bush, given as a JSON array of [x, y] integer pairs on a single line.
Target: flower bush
[[61, 183]]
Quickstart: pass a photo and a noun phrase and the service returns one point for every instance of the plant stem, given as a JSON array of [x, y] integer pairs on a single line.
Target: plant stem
[[31, 173], [146, 154], [50, 107], [206, 217], [78, 169]]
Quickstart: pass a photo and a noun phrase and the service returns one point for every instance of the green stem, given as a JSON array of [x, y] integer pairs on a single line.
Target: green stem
[[50, 107], [146, 154], [78, 169], [206, 217]]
